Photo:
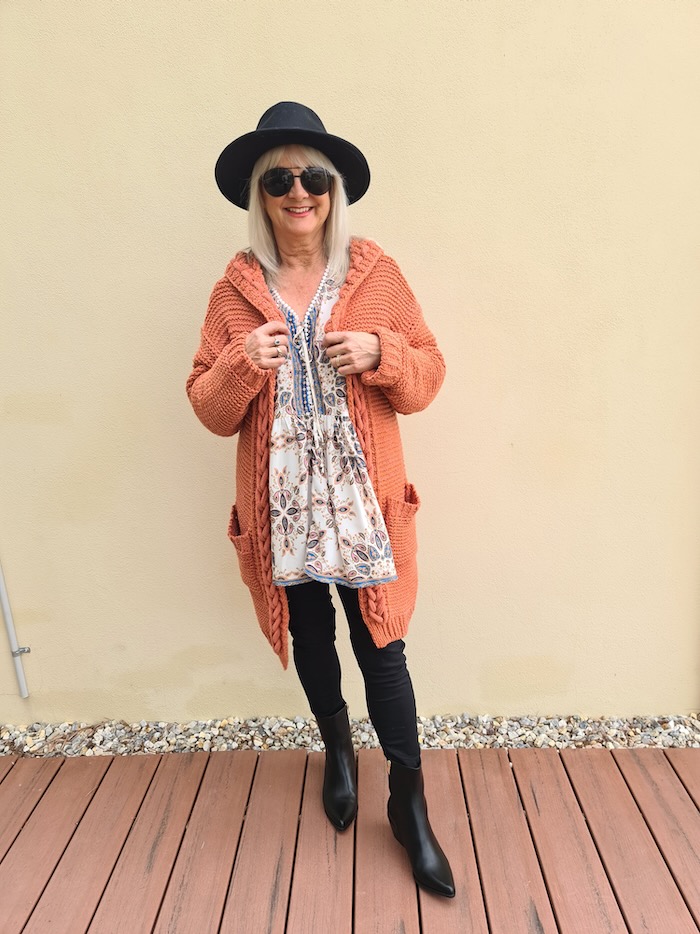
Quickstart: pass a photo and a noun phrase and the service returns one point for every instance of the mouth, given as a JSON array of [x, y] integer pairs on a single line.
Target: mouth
[[299, 212]]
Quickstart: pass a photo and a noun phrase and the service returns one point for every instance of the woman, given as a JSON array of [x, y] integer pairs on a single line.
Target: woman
[[311, 344]]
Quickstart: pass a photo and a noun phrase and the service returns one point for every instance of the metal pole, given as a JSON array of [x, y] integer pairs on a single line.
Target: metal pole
[[17, 650]]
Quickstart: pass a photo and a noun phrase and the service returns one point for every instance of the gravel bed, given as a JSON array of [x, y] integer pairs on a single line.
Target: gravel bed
[[116, 737]]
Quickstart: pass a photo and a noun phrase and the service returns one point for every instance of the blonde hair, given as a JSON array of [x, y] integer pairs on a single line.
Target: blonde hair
[[336, 240]]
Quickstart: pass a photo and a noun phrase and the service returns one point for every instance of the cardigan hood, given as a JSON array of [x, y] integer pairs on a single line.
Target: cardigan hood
[[246, 276]]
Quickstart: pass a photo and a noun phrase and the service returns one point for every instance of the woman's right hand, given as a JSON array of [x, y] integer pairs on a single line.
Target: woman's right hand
[[268, 345]]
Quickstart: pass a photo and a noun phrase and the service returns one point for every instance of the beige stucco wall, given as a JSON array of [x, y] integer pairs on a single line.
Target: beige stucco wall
[[535, 173]]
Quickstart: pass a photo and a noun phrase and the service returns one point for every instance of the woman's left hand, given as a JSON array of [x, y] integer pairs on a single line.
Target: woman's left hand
[[352, 352]]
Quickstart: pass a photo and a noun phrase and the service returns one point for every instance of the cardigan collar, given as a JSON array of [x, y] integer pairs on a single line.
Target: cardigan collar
[[246, 275]]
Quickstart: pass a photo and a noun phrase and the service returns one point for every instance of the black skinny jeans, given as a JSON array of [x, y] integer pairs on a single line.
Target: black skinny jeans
[[388, 689]]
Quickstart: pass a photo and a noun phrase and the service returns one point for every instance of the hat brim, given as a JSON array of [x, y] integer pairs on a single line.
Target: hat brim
[[235, 164]]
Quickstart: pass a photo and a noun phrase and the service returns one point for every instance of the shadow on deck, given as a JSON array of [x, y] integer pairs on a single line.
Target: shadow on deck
[[577, 842]]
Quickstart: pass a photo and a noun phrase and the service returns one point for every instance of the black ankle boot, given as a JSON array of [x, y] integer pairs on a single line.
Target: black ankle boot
[[408, 816], [339, 779]]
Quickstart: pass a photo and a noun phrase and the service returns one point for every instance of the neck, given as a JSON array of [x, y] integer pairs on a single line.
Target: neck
[[301, 256]]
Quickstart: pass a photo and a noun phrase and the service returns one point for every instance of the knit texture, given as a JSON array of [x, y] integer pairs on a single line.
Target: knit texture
[[231, 395]]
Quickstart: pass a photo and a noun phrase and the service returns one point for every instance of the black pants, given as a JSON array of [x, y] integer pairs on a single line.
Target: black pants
[[388, 689]]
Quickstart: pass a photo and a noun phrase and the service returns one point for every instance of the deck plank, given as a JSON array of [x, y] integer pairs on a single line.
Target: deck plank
[[19, 794], [686, 764], [259, 892], [579, 890], [386, 899], [133, 894], [639, 876], [321, 898], [448, 817], [36, 851], [514, 891], [671, 815], [194, 900], [75, 888], [211, 841], [6, 763]]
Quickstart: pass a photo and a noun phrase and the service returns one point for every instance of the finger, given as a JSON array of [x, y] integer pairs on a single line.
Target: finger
[[341, 360], [337, 350], [271, 363], [270, 328], [332, 338]]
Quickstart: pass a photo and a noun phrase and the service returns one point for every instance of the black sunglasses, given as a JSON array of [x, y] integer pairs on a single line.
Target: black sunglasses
[[314, 180]]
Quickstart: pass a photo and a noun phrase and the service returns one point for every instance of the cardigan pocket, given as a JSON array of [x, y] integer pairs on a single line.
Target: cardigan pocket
[[400, 518], [243, 543]]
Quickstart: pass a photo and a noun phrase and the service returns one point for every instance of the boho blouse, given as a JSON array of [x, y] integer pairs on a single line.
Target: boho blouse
[[325, 519]]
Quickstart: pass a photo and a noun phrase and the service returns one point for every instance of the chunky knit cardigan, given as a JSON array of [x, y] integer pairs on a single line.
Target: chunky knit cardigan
[[230, 395]]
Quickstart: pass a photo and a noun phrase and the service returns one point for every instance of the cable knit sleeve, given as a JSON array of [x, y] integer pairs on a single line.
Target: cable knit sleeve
[[224, 380], [411, 368]]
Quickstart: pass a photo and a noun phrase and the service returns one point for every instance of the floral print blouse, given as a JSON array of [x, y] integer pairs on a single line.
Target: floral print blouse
[[325, 519]]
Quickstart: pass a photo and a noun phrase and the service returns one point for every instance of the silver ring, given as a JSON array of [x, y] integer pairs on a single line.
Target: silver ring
[[276, 342]]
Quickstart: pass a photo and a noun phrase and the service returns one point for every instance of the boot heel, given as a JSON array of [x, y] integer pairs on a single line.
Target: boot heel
[[394, 830]]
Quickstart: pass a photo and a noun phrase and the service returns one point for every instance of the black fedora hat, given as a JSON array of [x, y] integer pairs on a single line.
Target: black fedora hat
[[287, 123]]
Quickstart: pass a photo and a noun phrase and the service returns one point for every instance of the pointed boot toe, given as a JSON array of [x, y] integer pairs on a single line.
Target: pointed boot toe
[[341, 810]]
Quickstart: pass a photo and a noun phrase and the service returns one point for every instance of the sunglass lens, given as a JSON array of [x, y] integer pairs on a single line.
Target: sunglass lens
[[278, 182], [316, 181]]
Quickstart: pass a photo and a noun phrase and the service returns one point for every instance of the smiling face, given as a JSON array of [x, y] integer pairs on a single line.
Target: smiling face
[[297, 215]]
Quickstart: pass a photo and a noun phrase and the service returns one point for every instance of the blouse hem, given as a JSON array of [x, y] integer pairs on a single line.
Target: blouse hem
[[335, 580]]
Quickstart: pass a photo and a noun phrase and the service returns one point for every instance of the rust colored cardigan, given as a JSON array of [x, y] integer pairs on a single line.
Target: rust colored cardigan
[[230, 395]]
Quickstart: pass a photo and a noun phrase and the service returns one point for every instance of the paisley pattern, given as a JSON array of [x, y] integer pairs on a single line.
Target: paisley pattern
[[325, 519]]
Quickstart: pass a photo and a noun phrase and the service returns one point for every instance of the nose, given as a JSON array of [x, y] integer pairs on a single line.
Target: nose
[[297, 190]]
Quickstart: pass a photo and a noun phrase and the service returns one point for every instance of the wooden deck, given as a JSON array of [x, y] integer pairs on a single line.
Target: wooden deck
[[578, 842]]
